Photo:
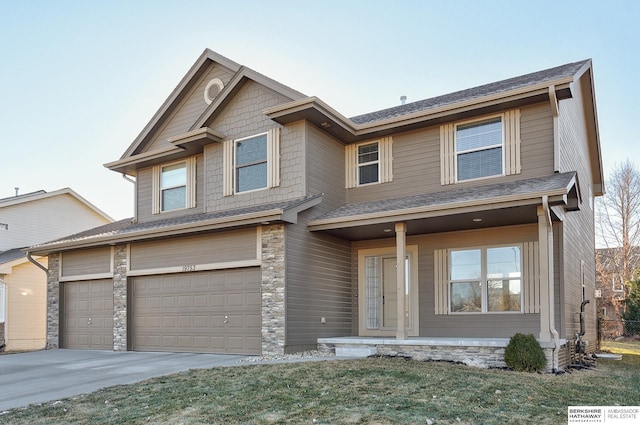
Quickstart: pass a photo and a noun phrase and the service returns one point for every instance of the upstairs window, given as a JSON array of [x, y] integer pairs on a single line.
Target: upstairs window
[[251, 163], [479, 149], [174, 186], [368, 163], [482, 148]]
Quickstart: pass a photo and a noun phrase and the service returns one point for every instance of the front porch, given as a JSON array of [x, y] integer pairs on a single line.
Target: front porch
[[477, 352]]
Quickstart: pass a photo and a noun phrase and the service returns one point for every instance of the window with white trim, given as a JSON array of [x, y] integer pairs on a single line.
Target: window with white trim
[[252, 163], [480, 148], [174, 186], [369, 162], [485, 280]]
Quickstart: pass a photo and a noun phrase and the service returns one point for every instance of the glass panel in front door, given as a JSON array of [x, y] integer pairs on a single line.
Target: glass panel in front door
[[389, 293]]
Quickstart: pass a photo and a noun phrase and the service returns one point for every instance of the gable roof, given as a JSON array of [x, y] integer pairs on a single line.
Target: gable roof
[[41, 194], [135, 154], [527, 89], [128, 230]]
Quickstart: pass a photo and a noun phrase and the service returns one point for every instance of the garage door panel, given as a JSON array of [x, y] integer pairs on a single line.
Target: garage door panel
[[88, 314], [214, 312]]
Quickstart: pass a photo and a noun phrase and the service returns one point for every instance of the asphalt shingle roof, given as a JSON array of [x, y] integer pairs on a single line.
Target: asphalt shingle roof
[[11, 254], [472, 93], [127, 226], [511, 188]]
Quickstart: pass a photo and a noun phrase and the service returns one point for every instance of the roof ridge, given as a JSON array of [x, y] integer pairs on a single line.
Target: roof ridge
[[548, 74]]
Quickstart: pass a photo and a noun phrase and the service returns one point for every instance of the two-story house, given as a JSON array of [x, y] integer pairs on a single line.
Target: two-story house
[[27, 219], [267, 222]]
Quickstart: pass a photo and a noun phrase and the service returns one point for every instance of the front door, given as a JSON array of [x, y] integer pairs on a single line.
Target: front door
[[378, 292]]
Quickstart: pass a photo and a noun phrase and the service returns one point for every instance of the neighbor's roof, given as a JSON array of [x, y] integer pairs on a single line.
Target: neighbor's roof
[[41, 194], [11, 255], [512, 192], [534, 78], [126, 230]]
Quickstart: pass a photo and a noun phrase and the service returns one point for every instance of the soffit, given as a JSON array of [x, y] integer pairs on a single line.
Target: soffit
[[508, 203]]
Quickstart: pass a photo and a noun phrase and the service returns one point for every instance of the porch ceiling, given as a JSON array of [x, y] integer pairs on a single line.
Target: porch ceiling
[[501, 204], [447, 223]]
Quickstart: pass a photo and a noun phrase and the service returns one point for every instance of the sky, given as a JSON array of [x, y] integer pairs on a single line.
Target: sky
[[79, 80]]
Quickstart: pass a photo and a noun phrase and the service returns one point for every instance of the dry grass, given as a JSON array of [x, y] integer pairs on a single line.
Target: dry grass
[[371, 391]]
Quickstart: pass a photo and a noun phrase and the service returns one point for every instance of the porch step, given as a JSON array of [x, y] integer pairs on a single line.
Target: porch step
[[362, 351]]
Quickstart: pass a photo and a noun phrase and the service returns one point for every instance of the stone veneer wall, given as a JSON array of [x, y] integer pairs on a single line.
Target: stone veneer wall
[[273, 289], [120, 298], [477, 356], [53, 302]]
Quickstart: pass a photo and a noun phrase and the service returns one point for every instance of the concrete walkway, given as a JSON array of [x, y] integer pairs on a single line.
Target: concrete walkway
[[42, 376]]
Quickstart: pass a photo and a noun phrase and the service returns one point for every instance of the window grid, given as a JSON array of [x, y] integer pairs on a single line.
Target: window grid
[[368, 163], [251, 155], [479, 149], [173, 186]]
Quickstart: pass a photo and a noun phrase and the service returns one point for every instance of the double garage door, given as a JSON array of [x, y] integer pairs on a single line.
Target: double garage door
[[203, 312]]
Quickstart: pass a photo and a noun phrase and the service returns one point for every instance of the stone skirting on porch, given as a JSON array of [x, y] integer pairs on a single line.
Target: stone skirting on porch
[[478, 352]]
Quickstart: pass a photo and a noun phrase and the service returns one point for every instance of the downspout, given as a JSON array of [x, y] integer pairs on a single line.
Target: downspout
[[552, 321], [135, 196], [33, 260]]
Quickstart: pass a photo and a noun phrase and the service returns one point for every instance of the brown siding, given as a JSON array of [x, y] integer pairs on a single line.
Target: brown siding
[[318, 284], [144, 198], [190, 109], [416, 159], [536, 134], [578, 232], [202, 249], [318, 266], [460, 325], [86, 261], [242, 118]]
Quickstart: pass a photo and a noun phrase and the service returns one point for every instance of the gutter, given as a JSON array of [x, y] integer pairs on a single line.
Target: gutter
[[552, 324], [33, 260]]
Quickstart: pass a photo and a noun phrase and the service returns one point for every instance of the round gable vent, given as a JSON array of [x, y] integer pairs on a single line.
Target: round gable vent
[[213, 88]]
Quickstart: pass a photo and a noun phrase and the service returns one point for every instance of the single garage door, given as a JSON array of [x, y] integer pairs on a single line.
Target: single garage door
[[88, 315], [203, 312]]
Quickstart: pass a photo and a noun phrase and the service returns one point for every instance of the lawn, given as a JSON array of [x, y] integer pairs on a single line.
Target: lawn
[[371, 391]]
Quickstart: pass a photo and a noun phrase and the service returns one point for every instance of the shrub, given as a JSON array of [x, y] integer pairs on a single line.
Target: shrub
[[524, 354]]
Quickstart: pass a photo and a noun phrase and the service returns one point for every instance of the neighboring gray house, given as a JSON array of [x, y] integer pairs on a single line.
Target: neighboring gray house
[[267, 222]]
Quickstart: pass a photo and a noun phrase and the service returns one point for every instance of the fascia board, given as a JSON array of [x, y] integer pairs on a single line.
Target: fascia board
[[196, 69], [555, 197], [121, 164], [362, 130], [200, 134]]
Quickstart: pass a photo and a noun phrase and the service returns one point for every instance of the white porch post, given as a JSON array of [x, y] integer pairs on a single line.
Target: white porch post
[[401, 248], [545, 254]]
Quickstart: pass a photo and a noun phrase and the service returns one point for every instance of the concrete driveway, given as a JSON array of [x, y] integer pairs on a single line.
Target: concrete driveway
[[49, 375]]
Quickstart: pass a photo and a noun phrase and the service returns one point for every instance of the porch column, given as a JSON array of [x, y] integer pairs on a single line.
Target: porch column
[[545, 254], [401, 248]]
